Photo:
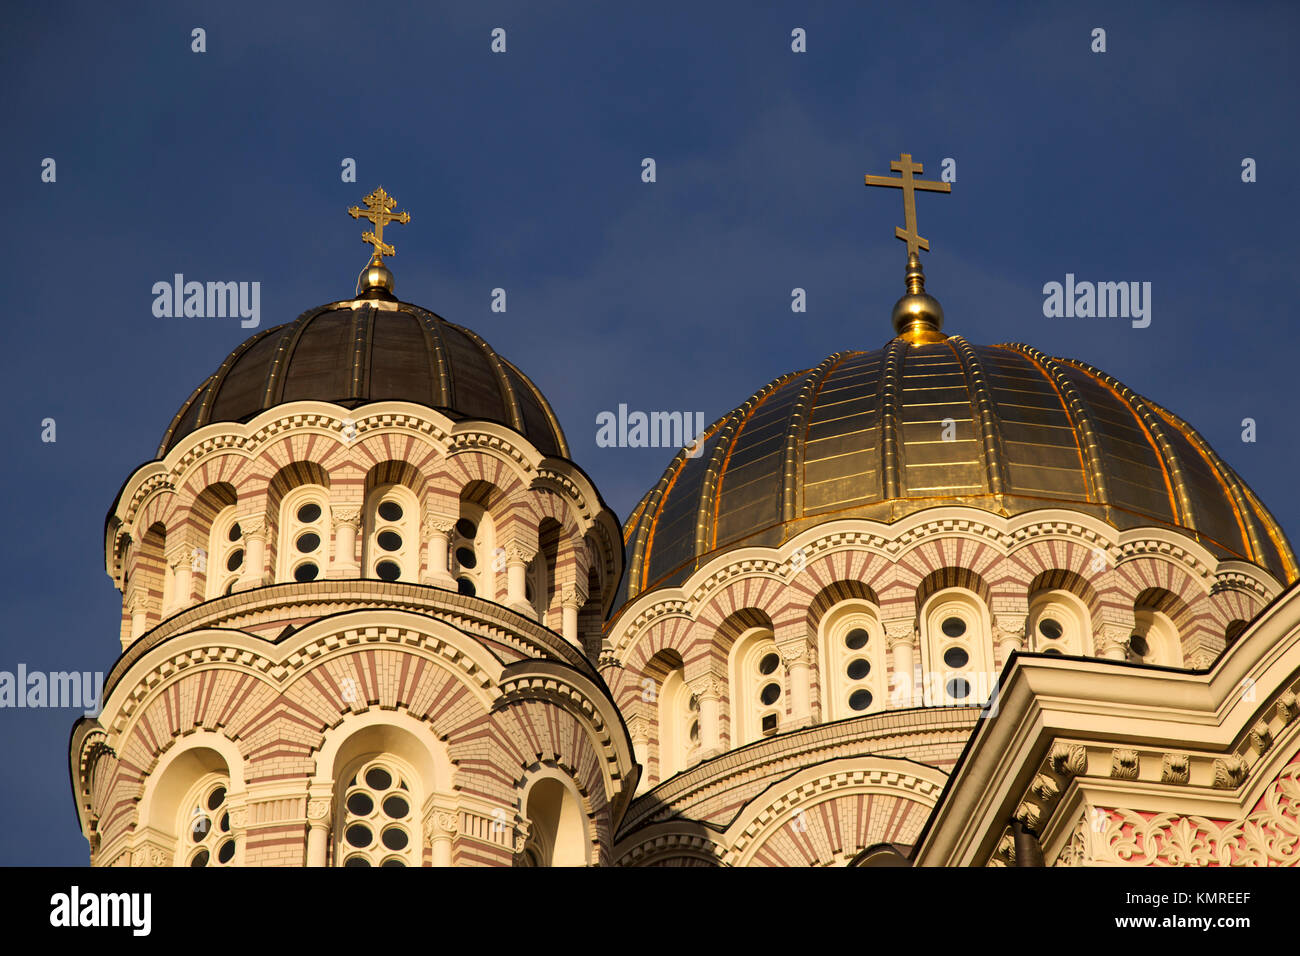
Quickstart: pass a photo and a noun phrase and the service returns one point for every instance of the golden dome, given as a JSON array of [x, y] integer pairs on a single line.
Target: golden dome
[[887, 433]]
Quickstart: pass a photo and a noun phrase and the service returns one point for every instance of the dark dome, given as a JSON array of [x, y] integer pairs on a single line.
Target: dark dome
[[862, 435], [373, 352]]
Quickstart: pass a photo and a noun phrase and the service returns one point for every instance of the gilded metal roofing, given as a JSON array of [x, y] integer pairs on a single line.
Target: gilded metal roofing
[[887, 433], [371, 353]]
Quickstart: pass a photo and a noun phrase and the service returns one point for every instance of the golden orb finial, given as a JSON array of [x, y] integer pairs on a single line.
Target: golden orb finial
[[376, 279]]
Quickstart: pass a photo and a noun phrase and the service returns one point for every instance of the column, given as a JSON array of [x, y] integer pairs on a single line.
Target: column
[[571, 601], [1009, 632], [899, 636], [517, 559], [797, 658], [638, 728], [709, 691], [254, 572], [138, 606], [180, 568], [318, 830], [437, 535], [441, 827], [347, 521]]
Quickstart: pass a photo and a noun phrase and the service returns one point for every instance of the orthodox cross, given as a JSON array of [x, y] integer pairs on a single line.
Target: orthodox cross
[[379, 210], [909, 186]]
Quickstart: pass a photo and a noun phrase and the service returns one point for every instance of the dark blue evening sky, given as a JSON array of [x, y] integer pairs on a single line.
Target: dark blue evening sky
[[523, 171]]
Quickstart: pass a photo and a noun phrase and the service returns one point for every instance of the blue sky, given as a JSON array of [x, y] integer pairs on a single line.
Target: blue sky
[[522, 170]]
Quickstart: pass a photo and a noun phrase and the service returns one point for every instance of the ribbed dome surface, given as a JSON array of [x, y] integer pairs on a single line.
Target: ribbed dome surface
[[374, 352], [864, 435]]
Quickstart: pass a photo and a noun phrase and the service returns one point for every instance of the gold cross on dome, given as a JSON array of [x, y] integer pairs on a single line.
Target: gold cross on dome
[[909, 186], [379, 210]]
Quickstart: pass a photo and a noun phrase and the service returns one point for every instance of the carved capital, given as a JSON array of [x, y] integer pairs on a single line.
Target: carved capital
[[1009, 629], [345, 515], [522, 829], [438, 524], [151, 854], [516, 553], [572, 596], [442, 824], [252, 526], [638, 728], [796, 653], [706, 687], [900, 632], [317, 810]]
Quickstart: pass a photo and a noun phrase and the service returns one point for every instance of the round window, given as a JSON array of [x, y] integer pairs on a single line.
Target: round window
[[465, 586], [309, 542], [1050, 628], [956, 657], [357, 861], [235, 531], [860, 700], [396, 807], [856, 639], [235, 560], [200, 858], [466, 558], [390, 511], [959, 688], [395, 838], [389, 540], [768, 664], [226, 852], [1139, 646], [309, 512], [306, 572], [388, 571], [859, 669], [360, 804], [377, 778], [770, 693], [216, 798], [359, 835], [953, 626], [466, 528], [1054, 650]]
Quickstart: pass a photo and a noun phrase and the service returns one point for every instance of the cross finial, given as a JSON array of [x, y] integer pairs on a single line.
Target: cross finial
[[379, 210], [906, 167]]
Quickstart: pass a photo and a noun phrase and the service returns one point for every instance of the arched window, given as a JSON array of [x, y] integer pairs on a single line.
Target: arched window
[[304, 534], [557, 834], [679, 725], [204, 827], [757, 687], [392, 544], [376, 813], [1059, 623], [1155, 640], [473, 557], [956, 639], [226, 553], [855, 678]]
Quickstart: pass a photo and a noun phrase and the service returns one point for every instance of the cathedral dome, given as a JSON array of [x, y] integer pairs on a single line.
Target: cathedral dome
[[915, 425], [352, 353]]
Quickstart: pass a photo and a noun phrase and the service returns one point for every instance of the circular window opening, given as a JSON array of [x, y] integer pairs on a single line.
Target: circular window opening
[[200, 858], [465, 586], [856, 639], [360, 804], [235, 531], [1050, 628], [959, 688], [388, 571], [395, 838], [200, 828], [235, 560], [859, 669], [953, 626], [358, 835], [392, 862], [768, 664], [306, 572], [396, 807], [390, 511], [1139, 646], [1054, 650], [770, 693], [225, 823], [378, 778], [309, 542], [309, 513], [956, 657], [357, 861], [226, 853], [216, 798], [466, 528], [389, 540], [860, 700], [466, 558]]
